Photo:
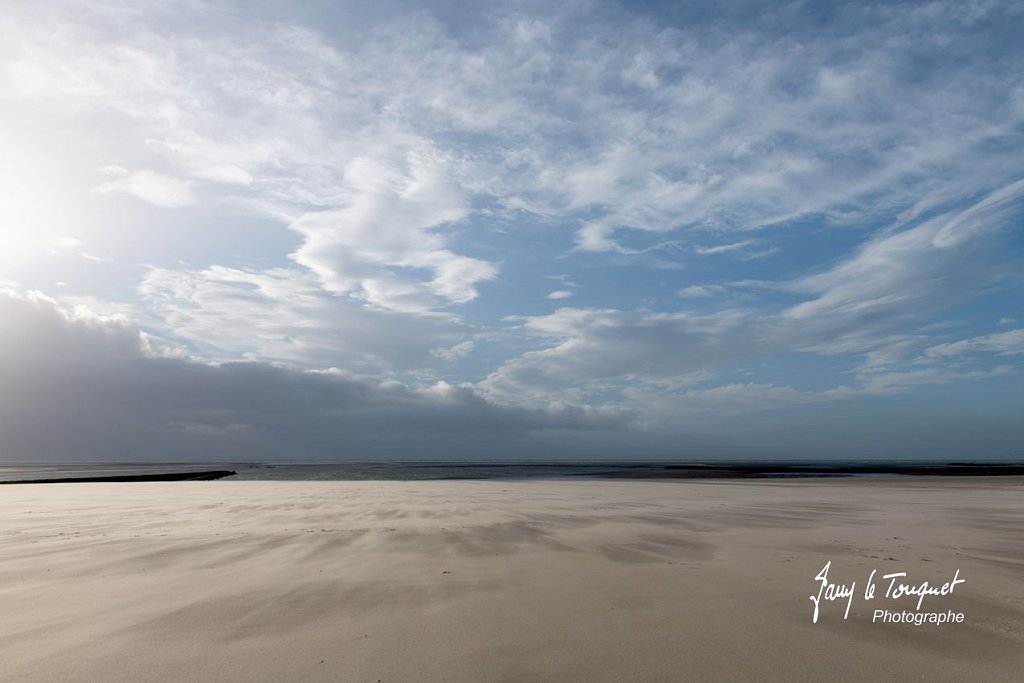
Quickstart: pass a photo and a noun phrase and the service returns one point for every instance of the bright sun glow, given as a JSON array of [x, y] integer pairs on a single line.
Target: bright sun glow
[[36, 209]]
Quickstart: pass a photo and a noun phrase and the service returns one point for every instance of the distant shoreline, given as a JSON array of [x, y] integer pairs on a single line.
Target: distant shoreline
[[439, 471], [751, 471], [207, 475]]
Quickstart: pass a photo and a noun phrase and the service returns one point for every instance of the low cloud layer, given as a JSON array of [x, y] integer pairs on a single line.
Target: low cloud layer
[[80, 387]]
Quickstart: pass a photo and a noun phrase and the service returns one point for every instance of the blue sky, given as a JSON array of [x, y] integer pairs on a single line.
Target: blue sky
[[511, 230]]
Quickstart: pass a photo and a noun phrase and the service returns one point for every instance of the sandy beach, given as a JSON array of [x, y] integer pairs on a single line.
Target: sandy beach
[[506, 581]]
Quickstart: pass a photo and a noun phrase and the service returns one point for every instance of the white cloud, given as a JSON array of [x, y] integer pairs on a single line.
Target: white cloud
[[155, 188], [597, 351], [387, 222], [283, 315], [724, 248], [724, 401], [227, 174], [701, 291], [560, 294], [65, 242], [1003, 344], [902, 381], [460, 350]]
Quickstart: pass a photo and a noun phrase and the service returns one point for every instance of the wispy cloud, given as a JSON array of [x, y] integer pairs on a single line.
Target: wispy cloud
[[1002, 343], [283, 315], [724, 248], [902, 277], [701, 291], [155, 188]]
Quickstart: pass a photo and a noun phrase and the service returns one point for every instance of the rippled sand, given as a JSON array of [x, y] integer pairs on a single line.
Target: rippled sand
[[502, 581]]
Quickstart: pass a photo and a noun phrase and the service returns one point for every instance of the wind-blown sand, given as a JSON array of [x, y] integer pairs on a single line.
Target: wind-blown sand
[[504, 581]]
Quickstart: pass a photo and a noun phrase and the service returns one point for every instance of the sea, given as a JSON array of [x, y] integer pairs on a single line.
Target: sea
[[506, 470]]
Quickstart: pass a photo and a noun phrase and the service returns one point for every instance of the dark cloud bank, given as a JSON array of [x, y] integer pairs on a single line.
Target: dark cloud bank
[[83, 389]]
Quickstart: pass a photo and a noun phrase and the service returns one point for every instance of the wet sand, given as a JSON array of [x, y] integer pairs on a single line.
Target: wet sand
[[505, 581]]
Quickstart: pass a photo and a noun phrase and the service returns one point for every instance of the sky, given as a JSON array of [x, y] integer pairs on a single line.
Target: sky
[[445, 230]]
